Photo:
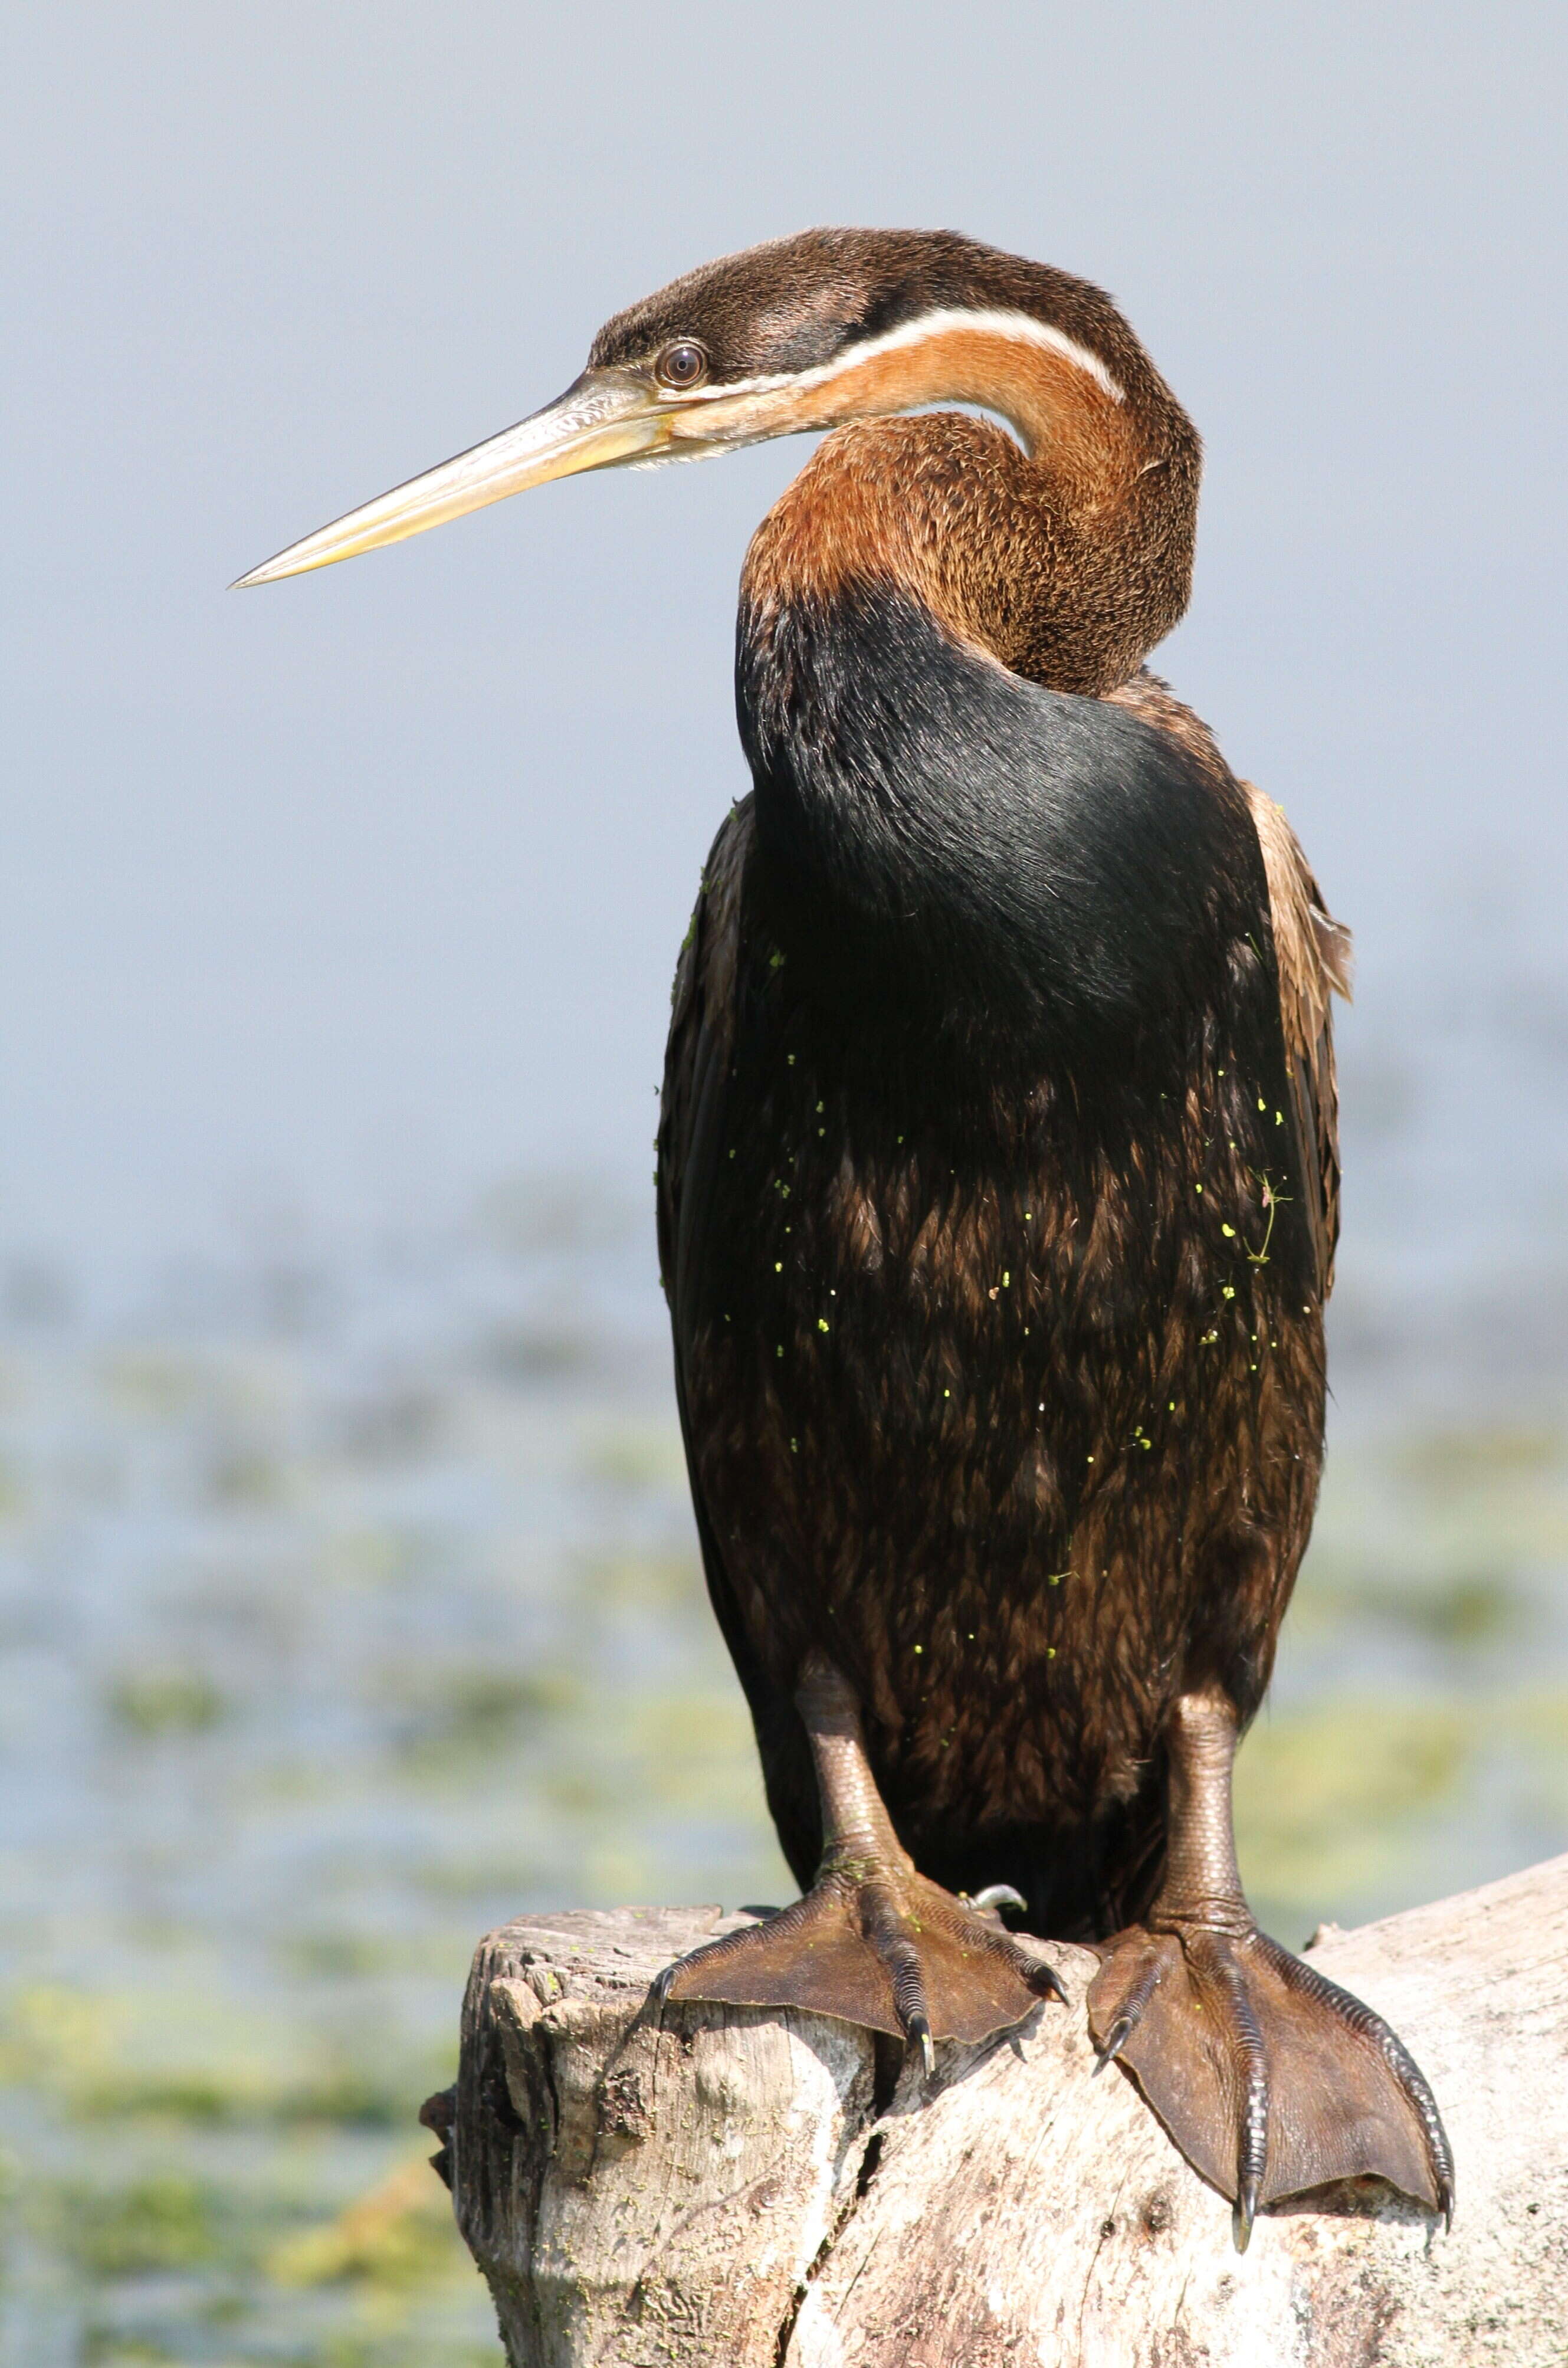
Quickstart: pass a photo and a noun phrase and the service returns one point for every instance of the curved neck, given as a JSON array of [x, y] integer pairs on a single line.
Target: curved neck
[[1066, 561]]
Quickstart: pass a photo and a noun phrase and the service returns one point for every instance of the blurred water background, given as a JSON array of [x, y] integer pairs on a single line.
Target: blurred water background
[[348, 1601]]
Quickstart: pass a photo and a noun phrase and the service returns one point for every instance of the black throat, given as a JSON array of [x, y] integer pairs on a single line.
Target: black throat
[[951, 854]]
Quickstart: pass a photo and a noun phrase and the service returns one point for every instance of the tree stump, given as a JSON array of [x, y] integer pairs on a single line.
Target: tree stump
[[769, 2189]]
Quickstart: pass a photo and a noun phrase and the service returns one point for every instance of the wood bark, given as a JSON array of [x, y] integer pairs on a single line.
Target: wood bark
[[770, 2190]]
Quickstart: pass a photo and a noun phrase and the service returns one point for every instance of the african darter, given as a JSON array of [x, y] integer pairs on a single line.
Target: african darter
[[998, 1184]]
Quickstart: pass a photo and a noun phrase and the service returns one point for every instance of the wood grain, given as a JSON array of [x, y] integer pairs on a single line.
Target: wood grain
[[725, 2188]]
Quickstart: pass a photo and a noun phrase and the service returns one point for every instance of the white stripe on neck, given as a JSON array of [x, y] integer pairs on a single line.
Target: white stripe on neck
[[1021, 326]]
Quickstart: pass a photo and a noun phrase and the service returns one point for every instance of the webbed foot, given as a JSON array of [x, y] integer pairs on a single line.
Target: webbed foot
[[872, 1941], [1269, 2078], [874, 1944]]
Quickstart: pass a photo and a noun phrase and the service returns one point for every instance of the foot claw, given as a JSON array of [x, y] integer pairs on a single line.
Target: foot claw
[[1116, 2038], [1047, 1982], [996, 1895], [1243, 2214], [919, 2032], [1130, 2012]]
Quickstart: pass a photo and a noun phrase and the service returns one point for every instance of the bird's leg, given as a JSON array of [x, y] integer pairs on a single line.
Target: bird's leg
[[872, 1943], [1269, 2078]]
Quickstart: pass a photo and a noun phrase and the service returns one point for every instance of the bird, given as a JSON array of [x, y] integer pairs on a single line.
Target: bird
[[997, 1186]]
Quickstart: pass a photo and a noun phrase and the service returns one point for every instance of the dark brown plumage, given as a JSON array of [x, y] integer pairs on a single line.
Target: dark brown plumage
[[998, 1188], [997, 1185], [993, 1393]]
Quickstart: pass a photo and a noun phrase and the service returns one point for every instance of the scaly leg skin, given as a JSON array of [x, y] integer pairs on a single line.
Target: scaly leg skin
[[1269, 2078], [872, 1943]]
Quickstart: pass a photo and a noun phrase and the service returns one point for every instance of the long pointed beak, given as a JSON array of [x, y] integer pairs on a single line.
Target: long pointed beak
[[602, 421]]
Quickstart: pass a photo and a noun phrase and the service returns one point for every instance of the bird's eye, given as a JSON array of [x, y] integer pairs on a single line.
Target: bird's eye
[[682, 365]]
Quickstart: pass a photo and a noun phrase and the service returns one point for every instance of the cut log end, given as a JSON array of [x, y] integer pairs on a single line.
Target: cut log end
[[768, 2188]]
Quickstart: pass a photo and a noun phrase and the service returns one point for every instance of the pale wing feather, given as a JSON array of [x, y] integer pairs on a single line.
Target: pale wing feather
[[1313, 954]]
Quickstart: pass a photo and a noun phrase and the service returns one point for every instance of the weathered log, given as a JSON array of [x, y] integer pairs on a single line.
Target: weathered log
[[771, 2190]]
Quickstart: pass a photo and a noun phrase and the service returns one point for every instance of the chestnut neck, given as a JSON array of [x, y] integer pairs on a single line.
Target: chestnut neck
[[1065, 557]]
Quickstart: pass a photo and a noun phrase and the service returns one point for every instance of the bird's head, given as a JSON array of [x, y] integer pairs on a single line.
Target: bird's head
[[808, 332]]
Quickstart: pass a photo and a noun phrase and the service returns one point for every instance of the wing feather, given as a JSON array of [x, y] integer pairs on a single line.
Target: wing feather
[[696, 1064], [692, 1112], [1312, 952]]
